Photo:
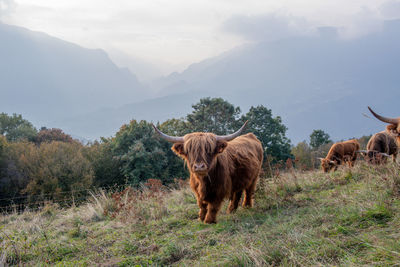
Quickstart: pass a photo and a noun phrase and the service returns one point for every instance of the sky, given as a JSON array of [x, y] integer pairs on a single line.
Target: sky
[[176, 33]]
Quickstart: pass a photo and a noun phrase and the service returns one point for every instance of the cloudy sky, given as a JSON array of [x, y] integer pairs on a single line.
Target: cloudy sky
[[175, 33]]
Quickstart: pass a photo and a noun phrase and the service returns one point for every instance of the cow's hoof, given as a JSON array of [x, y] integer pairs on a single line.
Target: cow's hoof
[[210, 221]]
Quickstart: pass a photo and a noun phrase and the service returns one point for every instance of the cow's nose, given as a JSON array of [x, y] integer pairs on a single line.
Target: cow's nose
[[199, 167]]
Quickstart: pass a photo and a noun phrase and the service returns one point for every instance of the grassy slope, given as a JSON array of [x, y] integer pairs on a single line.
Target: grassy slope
[[349, 217]]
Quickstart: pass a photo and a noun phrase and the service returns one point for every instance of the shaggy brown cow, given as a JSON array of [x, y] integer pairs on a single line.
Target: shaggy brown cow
[[220, 167], [394, 125], [339, 153], [380, 146]]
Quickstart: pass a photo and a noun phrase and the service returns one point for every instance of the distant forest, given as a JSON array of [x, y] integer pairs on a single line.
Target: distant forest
[[48, 164]]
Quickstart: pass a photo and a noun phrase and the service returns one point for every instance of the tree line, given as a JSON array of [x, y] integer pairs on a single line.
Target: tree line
[[47, 163]]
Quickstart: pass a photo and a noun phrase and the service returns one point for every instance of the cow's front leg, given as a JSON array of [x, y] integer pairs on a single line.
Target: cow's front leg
[[203, 209], [353, 160], [197, 189], [335, 168], [212, 210]]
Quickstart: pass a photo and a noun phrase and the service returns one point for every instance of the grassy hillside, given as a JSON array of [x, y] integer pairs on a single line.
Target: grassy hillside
[[349, 217]]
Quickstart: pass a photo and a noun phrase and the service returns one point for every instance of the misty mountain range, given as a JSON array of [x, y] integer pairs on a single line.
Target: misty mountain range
[[312, 82], [46, 79]]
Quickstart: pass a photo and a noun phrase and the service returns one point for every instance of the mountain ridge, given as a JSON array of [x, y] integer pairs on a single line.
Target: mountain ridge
[[41, 73], [312, 82]]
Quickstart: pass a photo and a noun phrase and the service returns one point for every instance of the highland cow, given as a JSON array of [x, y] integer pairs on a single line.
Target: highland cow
[[393, 128], [339, 153], [380, 146], [220, 167]]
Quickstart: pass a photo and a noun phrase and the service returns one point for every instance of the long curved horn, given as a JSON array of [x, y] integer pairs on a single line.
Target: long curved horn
[[172, 139], [384, 154], [361, 151], [230, 137], [385, 119]]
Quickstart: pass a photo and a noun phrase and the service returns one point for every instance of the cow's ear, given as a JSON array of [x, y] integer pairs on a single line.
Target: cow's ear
[[391, 128], [221, 145], [178, 149]]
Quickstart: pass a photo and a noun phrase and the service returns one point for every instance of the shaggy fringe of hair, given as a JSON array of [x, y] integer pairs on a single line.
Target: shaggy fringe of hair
[[200, 145]]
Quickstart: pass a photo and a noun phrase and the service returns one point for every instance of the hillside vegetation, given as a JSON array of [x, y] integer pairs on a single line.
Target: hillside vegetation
[[348, 217], [50, 165]]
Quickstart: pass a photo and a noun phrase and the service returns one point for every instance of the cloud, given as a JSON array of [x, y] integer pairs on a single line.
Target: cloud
[[273, 26], [7, 7], [391, 9], [183, 32], [362, 23], [267, 27]]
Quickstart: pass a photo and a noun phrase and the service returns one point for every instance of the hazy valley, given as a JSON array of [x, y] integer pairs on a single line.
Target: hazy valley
[[312, 82]]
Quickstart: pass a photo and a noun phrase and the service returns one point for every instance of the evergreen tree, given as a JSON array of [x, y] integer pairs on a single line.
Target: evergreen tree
[[143, 155], [270, 131], [318, 138], [213, 115], [106, 167], [175, 127]]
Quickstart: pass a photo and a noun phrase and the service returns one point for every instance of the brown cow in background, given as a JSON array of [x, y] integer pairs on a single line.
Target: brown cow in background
[[220, 167], [380, 146], [339, 153], [394, 125]]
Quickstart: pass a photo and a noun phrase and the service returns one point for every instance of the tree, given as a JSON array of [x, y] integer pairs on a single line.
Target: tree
[[303, 156], [106, 167], [15, 128], [12, 180], [143, 155], [45, 171], [3, 147], [213, 115], [270, 131], [175, 127], [318, 138], [55, 167], [50, 135], [3, 155], [220, 117]]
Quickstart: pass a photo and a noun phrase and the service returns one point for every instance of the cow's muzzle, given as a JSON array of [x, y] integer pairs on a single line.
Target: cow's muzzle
[[199, 167]]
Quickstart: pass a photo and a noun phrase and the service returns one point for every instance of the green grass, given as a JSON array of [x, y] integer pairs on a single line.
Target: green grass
[[350, 217]]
